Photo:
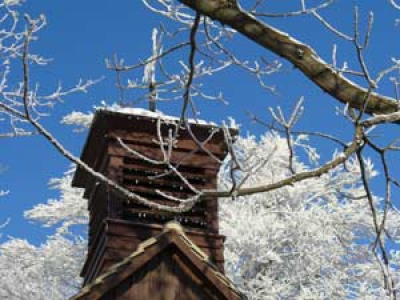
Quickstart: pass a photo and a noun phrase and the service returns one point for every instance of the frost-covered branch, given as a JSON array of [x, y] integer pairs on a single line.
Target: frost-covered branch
[[303, 11], [394, 4], [301, 55]]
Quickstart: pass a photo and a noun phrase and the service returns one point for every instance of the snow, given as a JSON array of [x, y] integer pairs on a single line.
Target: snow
[[155, 115], [12, 2], [85, 119]]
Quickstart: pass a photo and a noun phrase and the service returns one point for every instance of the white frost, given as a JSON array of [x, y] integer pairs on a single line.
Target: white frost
[[85, 119]]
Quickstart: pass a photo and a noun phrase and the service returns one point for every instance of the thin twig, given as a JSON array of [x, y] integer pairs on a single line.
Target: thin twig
[[186, 96]]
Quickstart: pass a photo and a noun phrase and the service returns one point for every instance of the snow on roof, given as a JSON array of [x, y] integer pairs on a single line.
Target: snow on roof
[[155, 115], [85, 119]]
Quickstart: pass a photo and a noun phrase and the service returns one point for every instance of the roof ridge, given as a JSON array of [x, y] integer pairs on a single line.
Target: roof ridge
[[169, 228], [173, 225]]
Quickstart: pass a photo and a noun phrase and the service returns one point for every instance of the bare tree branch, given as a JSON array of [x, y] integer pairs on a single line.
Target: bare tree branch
[[301, 55], [340, 159], [186, 96]]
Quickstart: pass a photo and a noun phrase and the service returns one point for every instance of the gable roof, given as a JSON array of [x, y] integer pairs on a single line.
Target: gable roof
[[173, 235]]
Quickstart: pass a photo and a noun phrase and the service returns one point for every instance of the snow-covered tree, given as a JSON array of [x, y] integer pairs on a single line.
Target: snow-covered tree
[[51, 269], [48, 271], [307, 241], [311, 240]]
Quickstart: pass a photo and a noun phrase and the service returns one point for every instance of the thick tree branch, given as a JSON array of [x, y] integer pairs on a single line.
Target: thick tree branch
[[301, 55], [298, 177]]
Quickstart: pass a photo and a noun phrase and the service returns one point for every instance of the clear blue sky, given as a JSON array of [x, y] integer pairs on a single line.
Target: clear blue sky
[[81, 34]]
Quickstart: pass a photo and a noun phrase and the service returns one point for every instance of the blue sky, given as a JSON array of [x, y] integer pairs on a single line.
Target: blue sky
[[81, 34]]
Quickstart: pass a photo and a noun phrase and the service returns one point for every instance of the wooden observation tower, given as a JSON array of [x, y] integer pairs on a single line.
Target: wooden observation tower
[[132, 252]]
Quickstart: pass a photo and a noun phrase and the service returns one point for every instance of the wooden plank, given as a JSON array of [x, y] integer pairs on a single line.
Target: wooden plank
[[142, 232], [116, 279], [165, 186], [98, 196], [193, 284], [153, 281], [101, 166], [166, 277], [167, 181], [118, 254], [187, 221], [149, 194], [81, 176], [97, 236], [152, 195], [183, 159], [208, 272], [93, 262], [198, 173], [198, 212], [212, 217], [211, 248], [217, 147]]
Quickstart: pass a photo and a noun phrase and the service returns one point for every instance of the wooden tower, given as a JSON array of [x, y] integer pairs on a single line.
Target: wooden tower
[[117, 225]]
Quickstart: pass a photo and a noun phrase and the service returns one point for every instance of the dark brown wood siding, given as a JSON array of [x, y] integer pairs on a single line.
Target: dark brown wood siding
[[198, 164], [168, 277], [120, 238]]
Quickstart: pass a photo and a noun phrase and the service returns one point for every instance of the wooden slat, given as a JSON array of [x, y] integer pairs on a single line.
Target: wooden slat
[[128, 245], [160, 200], [151, 191], [101, 165], [189, 221], [167, 180], [187, 171], [133, 182], [144, 231], [187, 272], [166, 278], [183, 159], [196, 212], [185, 144], [116, 254], [94, 258]]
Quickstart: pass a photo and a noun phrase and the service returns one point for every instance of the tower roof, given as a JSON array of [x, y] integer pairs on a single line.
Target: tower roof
[[181, 259], [139, 121]]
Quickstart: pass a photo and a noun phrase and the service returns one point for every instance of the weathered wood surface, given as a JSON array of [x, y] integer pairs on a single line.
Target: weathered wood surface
[[166, 278], [184, 144], [110, 242], [191, 172], [184, 159], [120, 238], [108, 125], [166, 267]]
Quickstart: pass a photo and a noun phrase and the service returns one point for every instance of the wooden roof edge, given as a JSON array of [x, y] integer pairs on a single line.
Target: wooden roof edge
[[190, 231], [173, 233], [154, 227]]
